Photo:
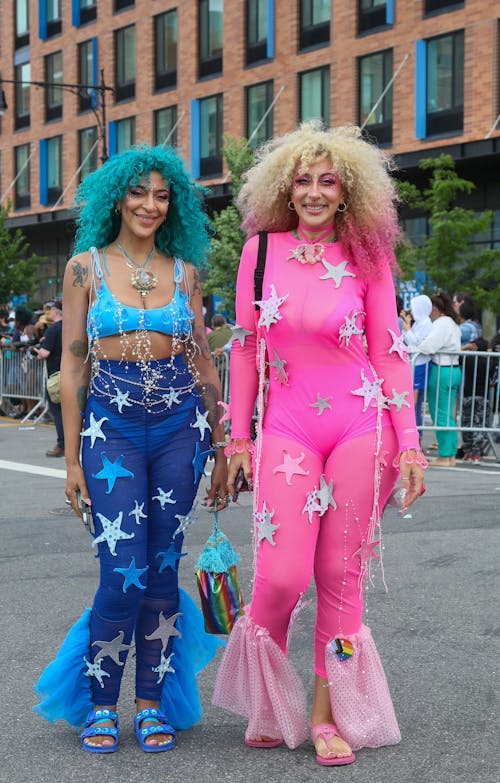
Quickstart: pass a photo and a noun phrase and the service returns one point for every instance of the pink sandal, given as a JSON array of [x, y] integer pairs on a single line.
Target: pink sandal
[[271, 743], [326, 731]]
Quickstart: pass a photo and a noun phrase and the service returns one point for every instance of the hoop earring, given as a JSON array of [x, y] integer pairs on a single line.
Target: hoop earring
[[291, 206], [118, 211], [343, 205]]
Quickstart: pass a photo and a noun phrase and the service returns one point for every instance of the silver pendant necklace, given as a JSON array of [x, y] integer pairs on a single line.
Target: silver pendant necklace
[[142, 279]]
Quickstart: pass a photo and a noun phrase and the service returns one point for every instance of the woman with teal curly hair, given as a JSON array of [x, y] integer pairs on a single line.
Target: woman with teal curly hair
[[140, 407]]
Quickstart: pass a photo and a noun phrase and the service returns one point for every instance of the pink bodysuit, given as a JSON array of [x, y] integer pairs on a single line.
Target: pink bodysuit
[[339, 411]]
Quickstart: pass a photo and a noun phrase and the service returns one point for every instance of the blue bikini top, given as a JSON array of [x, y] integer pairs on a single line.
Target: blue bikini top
[[106, 316]]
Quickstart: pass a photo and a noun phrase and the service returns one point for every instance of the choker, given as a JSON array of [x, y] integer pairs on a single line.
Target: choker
[[311, 251], [142, 279]]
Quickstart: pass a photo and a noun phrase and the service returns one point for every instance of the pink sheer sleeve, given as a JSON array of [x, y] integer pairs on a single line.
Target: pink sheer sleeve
[[243, 366], [386, 352]]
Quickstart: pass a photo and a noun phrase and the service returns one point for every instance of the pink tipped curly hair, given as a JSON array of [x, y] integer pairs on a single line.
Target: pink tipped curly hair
[[368, 228]]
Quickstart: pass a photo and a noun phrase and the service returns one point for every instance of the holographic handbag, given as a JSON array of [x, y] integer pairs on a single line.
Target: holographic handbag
[[218, 585]]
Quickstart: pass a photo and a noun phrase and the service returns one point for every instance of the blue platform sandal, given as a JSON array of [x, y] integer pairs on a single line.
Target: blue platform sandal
[[93, 728], [160, 726]]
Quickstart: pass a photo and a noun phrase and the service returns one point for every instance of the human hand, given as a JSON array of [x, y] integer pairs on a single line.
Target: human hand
[[241, 461], [217, 496], [75, 483], [411, 464]]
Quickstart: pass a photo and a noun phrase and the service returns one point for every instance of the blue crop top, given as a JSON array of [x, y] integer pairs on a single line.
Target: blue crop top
[[107, 316]]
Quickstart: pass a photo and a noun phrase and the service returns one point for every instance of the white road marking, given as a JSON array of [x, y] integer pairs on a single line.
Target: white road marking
[[36, 470]]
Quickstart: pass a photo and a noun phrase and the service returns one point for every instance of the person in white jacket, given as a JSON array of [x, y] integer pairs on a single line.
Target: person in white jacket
[[416, 327], [444, 375]]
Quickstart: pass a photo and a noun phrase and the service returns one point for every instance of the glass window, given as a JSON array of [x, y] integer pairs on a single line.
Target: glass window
[[125, 134], [431, 6], [371, 14], [257, 30], [375, 72], [88, 11], [211, 136], [210, 14], [165, 26], [22, 188], [22, 23], [315, 95], [22, 96], [314, 23], [445, 83], [54, 169], [125, 63], [85, 73], [87, 151], [259, 99], [119, 5], [166, 126], [53, 11], [53, 94]]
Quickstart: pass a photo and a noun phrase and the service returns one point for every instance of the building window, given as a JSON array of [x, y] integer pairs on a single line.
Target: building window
[[257, 31], [125, 134], [87, 11], [375, 72], [165, 27], [125, 63], [166, 126], [120, 5], [210, 37], [211, 136], [87, 73], [315, 95], [22, 23], [53, 17], [438, 6], [259, 99], [87, 151], [50, 170], [373, 14], [445, 84], [314, 23], [53, 94], [22, 96], [22, 188]]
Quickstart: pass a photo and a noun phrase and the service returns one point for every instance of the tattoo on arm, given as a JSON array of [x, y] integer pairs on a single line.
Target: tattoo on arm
[[200, 338], [210, 396], [196, 282], [79, 348], [81, 397], [80, 274]]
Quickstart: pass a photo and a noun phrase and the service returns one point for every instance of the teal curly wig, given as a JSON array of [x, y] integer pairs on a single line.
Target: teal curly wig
[[185, 233]]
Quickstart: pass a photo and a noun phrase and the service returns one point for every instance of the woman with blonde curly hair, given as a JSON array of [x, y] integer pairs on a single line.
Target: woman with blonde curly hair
[[139, 402], [320, 344]]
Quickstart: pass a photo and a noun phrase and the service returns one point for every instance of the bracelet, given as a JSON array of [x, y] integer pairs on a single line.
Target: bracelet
[[220, 444]]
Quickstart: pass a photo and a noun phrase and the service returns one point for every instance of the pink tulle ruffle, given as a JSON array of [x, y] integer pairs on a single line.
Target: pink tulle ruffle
[[359, 695], [256, 680], [412, 455], [238, 446]]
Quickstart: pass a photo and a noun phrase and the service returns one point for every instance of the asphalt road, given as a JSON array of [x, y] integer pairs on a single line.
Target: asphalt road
[[437, 631]]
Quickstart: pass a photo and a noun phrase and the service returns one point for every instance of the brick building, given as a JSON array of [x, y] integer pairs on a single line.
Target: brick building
[[423, 76]]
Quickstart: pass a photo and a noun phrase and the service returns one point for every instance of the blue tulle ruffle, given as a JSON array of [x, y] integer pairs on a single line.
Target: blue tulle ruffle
[[65, 691]]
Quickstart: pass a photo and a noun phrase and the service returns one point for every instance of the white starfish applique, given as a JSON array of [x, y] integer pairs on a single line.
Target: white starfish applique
[[95, 670], [311, 504], [112, 648], [166, 629], [184, 521], [398, 399], [164, 497], [201, 423], [269, 308], [325, 495], [171, 398], [398, 346], [336, 272], [265, 528], [239, 333], [94, 431], [163, 667], [137, 512], [349, 328], [121, 399], [112, 532], [322, 404], [370, 390], [279, 365]]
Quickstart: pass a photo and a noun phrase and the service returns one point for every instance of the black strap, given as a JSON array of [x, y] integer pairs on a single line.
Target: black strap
[[258, 276]]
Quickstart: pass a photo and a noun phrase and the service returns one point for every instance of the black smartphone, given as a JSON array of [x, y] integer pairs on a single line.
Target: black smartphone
[[86, 511], [240, 484]]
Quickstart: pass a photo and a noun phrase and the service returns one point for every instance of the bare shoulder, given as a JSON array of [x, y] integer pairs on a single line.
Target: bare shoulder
[[78, 270]]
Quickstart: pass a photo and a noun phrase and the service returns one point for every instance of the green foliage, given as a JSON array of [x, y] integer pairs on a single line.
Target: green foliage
[[229, 238], [448, 256], [18, 269]]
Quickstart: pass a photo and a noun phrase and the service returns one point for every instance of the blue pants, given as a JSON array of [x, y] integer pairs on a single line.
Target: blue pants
[[138, 455]]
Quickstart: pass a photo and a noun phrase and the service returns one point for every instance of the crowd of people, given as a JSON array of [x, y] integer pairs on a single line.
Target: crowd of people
[[321, 346]]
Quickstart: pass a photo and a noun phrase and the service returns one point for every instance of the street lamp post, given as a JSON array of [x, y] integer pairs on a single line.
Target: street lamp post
[[77, 89]]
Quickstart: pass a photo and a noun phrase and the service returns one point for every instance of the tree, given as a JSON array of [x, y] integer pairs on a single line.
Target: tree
[[18, 269], [229, 238], [448, 256]]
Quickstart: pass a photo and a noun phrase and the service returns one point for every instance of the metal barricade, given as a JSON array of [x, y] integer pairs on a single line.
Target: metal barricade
[[476, 405], [23, 377], [222, 366]]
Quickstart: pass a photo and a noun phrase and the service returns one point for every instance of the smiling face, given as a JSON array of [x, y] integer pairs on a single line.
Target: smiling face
[[316, 195], [145, 206]]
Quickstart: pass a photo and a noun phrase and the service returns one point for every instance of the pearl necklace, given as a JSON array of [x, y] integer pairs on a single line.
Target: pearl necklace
[[142, 279], [310, 251]]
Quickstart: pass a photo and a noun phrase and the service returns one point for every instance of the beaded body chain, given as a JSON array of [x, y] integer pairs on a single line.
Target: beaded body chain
[[153, 390]]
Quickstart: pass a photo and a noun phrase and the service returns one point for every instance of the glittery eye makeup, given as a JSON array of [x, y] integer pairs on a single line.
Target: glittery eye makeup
[[324, 181]]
